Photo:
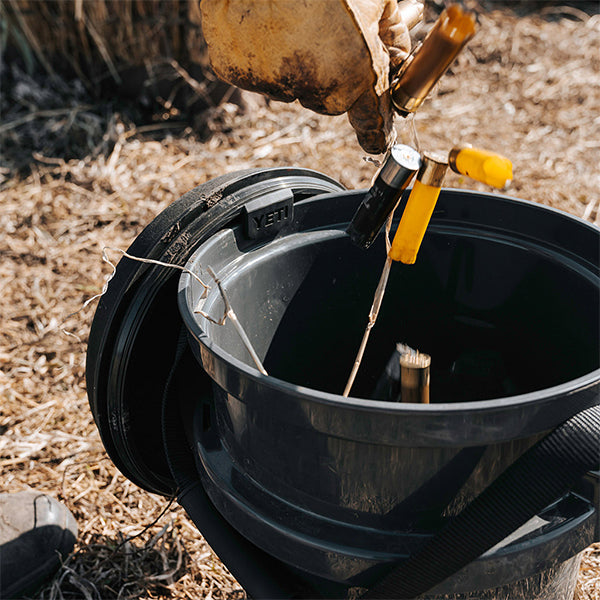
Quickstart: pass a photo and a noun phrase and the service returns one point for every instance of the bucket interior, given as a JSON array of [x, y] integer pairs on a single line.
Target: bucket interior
[[499, 316]]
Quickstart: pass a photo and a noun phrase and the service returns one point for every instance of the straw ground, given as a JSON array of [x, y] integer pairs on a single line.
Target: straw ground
[[528, 87]]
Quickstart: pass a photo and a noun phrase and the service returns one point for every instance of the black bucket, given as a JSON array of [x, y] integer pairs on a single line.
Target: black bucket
[[504, 297], [304, 493]]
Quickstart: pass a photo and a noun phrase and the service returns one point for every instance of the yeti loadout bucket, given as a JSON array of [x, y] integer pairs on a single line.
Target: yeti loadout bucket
[[280, 469]]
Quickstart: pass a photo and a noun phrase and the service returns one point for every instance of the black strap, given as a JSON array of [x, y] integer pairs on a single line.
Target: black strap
[[539, 477]]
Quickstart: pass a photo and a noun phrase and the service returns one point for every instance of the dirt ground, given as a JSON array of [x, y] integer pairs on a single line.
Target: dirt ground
[[528, 86]]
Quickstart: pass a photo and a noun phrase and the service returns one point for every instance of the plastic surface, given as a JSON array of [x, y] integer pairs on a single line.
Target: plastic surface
[[338, 487], [380, 200], [414, 222], [482, 165]]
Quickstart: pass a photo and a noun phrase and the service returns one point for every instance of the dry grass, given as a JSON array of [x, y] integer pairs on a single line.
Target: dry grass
[[100, 39], [527, 87]]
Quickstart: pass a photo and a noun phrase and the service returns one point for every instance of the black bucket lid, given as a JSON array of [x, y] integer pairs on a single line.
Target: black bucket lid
[[137, 322]]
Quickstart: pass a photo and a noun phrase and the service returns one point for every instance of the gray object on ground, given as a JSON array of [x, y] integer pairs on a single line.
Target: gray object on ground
[[36, 533]]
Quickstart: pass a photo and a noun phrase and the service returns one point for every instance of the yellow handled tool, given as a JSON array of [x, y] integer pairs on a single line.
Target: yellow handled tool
[[481, 165], [419, 209]]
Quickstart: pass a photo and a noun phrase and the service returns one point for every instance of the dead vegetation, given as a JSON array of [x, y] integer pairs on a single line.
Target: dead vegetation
[[80, 174]]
